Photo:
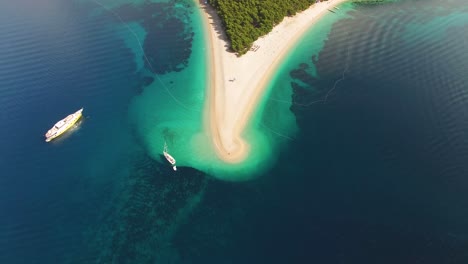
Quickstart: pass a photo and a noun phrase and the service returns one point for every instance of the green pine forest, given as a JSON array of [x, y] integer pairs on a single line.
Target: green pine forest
[[244, 21]]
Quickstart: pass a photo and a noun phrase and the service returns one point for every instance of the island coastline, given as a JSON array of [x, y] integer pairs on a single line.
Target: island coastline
[[236, 84]]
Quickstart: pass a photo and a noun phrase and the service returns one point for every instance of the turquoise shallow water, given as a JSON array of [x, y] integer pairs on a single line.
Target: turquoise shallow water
[[362, 128]]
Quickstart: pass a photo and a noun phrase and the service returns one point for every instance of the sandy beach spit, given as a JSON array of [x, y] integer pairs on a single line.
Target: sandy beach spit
[[237, 83]]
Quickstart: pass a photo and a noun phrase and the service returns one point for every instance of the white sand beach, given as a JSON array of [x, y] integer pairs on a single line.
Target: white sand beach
[[237, 83]]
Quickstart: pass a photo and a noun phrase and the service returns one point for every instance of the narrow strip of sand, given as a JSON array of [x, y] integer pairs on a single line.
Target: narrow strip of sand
[[237, 83]]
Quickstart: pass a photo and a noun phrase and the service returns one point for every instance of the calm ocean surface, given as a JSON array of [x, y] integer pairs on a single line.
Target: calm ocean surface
[[377, 171]]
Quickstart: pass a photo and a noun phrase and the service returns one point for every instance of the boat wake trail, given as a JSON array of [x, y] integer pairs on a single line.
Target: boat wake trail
[[144, 55]]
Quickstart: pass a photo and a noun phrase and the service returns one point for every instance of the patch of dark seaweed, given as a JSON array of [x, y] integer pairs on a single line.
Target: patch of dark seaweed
[[147, 80], [144, 215], [211, 232], [168, 46], [168, 42], [302, 75]]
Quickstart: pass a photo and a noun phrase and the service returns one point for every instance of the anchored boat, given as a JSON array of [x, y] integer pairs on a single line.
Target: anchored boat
[[169, 158], [63, 125]]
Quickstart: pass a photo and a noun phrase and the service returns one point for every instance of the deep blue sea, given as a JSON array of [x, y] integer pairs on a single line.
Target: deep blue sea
[[377, 172]]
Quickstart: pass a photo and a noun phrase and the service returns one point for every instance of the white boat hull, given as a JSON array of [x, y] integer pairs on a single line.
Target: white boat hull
[[171, 160], [63, 125]]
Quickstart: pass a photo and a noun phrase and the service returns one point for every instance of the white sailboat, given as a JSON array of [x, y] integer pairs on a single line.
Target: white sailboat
[[169, 158]]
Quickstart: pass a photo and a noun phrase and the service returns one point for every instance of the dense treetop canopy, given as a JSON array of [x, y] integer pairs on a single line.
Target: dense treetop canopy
[[246, 20]]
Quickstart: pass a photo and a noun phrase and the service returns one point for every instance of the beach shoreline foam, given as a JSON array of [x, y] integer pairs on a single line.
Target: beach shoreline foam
[[236, 84]]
